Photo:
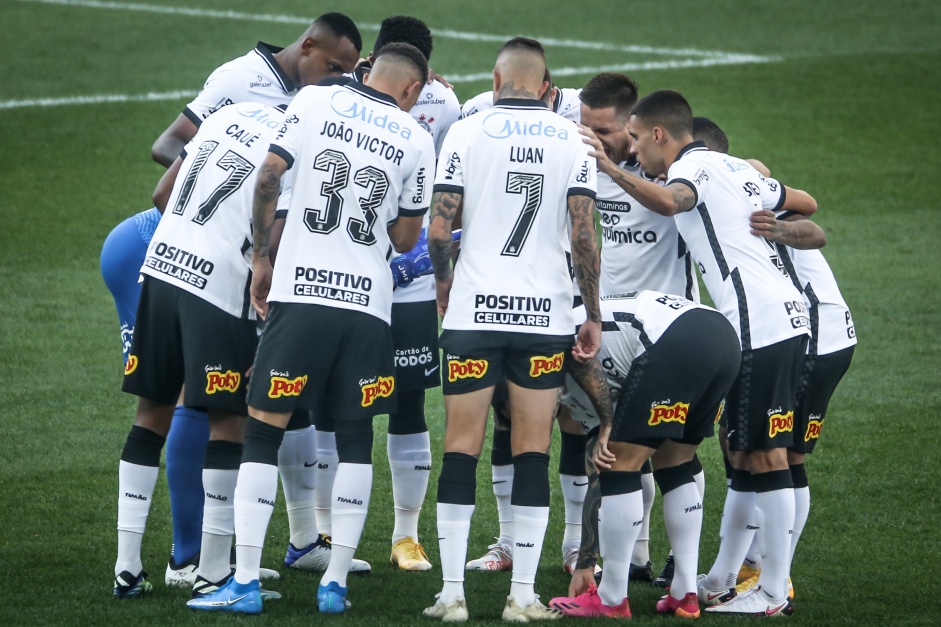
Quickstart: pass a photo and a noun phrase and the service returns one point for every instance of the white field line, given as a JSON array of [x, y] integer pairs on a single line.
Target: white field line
[[700, 58]]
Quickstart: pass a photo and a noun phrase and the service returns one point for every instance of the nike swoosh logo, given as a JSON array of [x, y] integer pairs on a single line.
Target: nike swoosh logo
[[710, 597], [774, 610], [579, 484], [429, 372], [306, 465]]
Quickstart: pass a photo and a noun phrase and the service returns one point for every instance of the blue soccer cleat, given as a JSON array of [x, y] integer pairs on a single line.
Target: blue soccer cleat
[[231, 597], [127, 586], [331, 599]]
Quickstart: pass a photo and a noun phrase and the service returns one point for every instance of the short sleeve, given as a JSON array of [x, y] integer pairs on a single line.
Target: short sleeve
[[287, 142], [772, 193], [583, 178], [689, 173], [416, 196], [450, 173], [223, 87]]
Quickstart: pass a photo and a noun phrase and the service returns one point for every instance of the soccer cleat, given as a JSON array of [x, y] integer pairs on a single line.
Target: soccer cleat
[[665, 578], [232, 596], [181, 575], [453, 612], [408, 554], [687, 607], [752, 582], [331, 598], [203, 587], [569, 557], [128, 586], [641, 573], [746, 572], [514, 613], [589, 604], [498, 557], [316, 556], [712, 597], [754, 603]]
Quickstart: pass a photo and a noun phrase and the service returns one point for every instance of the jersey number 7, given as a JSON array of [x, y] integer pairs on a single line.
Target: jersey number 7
[[530, 185]]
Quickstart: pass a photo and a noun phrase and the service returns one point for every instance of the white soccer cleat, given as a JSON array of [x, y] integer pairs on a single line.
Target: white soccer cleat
[[453, 612], [498, 557], [712, 597], [754, 603], [514, 613], [316, 557], [181, 575]]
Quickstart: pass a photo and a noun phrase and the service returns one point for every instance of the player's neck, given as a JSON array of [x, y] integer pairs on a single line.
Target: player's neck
[[287, 61]]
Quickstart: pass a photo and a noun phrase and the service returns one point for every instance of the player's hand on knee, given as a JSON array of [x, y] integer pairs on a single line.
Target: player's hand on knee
[[602, 457], [581, 579]]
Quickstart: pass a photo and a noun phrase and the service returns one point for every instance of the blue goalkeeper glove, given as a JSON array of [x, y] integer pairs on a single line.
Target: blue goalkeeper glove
[[417, 262]]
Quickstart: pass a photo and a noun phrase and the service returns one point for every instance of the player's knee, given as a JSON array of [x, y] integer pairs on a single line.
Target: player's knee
[[354, 441]]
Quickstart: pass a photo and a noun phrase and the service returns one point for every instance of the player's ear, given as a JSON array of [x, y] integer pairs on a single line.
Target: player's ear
[[497, 83], [543, 88], [412, 93]]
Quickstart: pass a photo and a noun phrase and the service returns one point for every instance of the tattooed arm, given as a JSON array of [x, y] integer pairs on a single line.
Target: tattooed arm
[[799, 233], [445, 208], [587, 265], [589, 547], [267, 190]]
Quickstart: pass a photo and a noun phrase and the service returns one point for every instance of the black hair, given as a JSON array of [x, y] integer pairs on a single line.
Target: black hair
[[524, 43], [410, 54], [707, 131], [407, 30], [610, 89], [667, 109], [342, 26]]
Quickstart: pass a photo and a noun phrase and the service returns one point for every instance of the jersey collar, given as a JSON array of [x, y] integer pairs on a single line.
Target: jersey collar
[[521, 103], [689, 148], [267, 52], [374, 94]]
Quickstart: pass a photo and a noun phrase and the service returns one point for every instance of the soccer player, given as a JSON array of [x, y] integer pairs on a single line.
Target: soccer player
[[362, 172], [268, 74], [562, 100], [666, 405], [414, 335], [712, 197], [507, 306], [196, 327], [831, 346]]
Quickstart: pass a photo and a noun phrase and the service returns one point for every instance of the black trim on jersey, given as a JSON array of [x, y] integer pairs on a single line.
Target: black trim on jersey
[[247, 296], [713, 240], [447, 189], [788, 264], [682, 252], [360, 71], [521, 103], [788, 214], [689, 148], [267, 52], [372, 94], [183, 154], [192, 117], [781, 200], [637, 324], [606, 325], [581, 191], [281, 152], [412, 213], [246, 245], [281, 214], [742, 309], [558, 101], [814, 315], [689, 185]]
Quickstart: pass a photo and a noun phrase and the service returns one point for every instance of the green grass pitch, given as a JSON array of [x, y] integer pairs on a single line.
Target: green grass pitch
[[839, 98]]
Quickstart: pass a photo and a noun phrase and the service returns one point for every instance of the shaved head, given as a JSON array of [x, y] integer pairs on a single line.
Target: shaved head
[[520, 69]]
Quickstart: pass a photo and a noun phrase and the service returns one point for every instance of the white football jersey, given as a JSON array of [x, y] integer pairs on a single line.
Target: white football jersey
[[515, 166], [254, 77], [203, 243], [831, 323], [640, 249], [567, 104], [361, 162], [630, 324], [744, 273]]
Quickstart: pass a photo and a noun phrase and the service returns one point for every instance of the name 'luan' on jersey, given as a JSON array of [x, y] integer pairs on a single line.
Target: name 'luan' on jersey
[[515, 166], [361, 162], [203, 243]]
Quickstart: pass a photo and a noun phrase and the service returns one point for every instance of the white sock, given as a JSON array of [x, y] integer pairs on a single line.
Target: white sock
[[529, 531], [351, 491], [297, 464], [801, 512], [574, 488], [738, 523], [777, 510], [682, 516], [327, 461], [453, 532], [135, 492], [502, 490], [410, 465], [620, 519], [700, 480], [753, 557], [218, 523], [255, 494], [641, 554]]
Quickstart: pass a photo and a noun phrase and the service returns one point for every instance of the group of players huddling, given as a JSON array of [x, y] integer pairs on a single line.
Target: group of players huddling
[[286, 298]]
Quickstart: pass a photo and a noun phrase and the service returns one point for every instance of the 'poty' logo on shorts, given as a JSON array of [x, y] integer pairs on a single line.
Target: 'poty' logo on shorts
[[131, 365], [543, 365], [475, 368], [814, 425], [281, 386], [381, 388], [780, 423], [222, 381], [676, 412]]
